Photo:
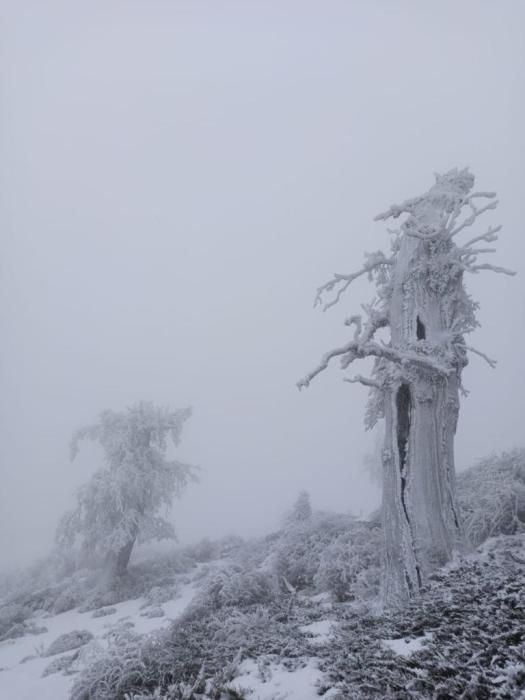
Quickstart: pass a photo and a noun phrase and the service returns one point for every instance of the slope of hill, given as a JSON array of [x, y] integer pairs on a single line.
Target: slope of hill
[[291, 616]]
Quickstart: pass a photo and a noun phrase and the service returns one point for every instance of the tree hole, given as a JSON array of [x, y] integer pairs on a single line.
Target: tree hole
[[403, 405], [420, 329]]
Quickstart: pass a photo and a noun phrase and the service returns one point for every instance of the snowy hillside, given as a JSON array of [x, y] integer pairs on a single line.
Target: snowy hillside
[[234, 636], [27, 662]]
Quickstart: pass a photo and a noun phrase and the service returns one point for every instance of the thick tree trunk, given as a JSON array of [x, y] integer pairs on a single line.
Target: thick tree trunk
[[420, 518], [117, 562], [123, 557]]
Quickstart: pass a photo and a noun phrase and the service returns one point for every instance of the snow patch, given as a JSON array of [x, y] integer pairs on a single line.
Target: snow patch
[[319, 631], [274, 682], [406, 647], [24, 681]]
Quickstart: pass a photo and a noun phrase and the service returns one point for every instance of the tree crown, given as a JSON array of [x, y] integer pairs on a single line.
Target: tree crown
[[122, 500]]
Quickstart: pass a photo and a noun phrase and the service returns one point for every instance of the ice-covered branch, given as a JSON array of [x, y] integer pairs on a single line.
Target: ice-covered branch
[[396, 210], [356, 350], [492, 268], [373, 262], [470, 220], [467, 254], [359, 379], [472, 252], [489, 236], [478, 195], [487, 359], [325, 361]]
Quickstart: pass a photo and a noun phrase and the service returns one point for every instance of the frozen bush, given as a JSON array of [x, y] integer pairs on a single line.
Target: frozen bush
[[203, 551], [68, 641], [234, 586], [296, 555], [64, 602], [62, 663], [12, 615], [491, 496], [196, 657], [350, 566], [158, 595]]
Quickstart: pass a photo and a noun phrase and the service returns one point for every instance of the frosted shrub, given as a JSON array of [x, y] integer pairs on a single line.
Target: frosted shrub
[[233, 586], [350, 566], [203, 551], [491, 496], [297, 554]]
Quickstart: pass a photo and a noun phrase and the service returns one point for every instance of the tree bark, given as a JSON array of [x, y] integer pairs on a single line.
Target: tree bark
[[420, 518]]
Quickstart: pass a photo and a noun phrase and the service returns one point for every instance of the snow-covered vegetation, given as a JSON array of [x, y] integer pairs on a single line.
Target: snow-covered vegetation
[[492, 496], [290, 615], [120, 505]]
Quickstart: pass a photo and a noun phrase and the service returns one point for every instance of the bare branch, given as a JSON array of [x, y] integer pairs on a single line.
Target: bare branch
[[375, 260], [359, 379], [359, 350], [357, 321], [476, 195], [472, 218], [305, 381], [487, 359], [406, 357], [396, 210], [489, 236], [493, 268], [475, 251]]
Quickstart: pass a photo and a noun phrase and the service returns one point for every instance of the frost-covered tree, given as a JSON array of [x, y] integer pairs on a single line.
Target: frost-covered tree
[[424, 313], [121, 503], [302, 510]]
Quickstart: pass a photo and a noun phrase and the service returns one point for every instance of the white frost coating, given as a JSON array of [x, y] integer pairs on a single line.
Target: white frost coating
[[120, 504], [406, 647], [274, 682], [320, 631], [24, 681], [416, 379]]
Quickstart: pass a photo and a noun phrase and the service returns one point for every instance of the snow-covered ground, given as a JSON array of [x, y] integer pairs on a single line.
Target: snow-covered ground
[[406, 647], [263, 679], [274, 682], [22, 660], [23, 680]]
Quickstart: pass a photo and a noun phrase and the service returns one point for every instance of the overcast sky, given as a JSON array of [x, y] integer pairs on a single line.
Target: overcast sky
[[177, 178]]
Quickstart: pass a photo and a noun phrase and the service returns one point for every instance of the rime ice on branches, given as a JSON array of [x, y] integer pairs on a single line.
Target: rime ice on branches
[[416, 377]]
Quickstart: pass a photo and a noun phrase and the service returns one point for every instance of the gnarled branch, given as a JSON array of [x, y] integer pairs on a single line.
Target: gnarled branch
[[374, 261], [470, 220], [488, 360], [356, 350], [492, 268]]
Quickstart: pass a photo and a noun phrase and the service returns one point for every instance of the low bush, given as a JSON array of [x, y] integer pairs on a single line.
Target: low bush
[[491, 496], [350, 566]]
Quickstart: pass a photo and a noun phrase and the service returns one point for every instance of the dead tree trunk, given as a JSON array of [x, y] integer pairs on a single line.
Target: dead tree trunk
[[416, 380], [421, 407]]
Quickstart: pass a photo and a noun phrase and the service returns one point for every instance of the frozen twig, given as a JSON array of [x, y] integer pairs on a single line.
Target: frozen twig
[[492, 268], [374, 261], [487, 359], [489, 236], [470, 220]]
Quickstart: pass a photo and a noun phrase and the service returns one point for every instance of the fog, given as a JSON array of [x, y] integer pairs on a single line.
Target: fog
[[178, 178]]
